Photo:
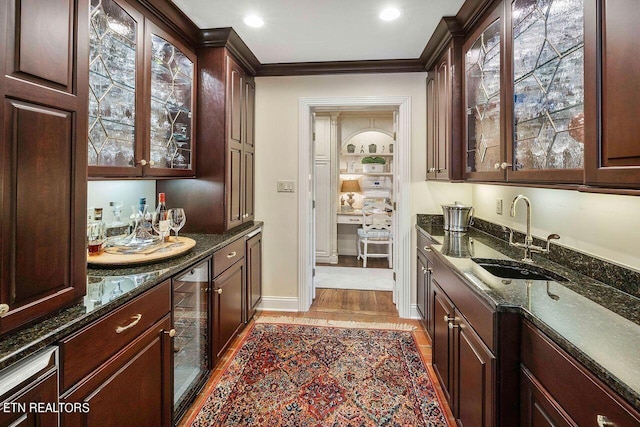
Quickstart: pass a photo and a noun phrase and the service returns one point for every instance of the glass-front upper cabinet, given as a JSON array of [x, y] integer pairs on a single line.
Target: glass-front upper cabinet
[[482, 86], [115, 48], [137, 129], [171, 112], [548, 89]]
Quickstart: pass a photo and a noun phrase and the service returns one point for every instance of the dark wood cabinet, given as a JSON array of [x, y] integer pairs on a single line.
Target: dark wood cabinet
[[142, 96], [131, 345], [109, 392], [25, 403], [228, 318], [43, 158], [424, 274], [254, 275], [537, 407], [421, 287], [222, 196], [442, 342], [550, 378], [474, 376], [612, 63], [444, 111]]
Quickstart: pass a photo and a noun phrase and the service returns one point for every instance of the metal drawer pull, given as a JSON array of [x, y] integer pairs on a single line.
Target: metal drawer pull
[[453, 325], [449, 319], [171, 333], [136, 318], [603, 421], [231, 255], [427, 249], [218, 291], [4, 308]]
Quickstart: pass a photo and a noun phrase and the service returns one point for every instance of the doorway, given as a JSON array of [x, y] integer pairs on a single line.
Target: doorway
[[398, 183]]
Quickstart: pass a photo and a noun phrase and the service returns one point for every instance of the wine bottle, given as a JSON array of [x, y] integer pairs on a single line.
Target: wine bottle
[[161, 211]]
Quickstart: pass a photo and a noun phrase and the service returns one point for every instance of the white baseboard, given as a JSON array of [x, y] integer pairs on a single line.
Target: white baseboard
[[279, 304], [415, 314]]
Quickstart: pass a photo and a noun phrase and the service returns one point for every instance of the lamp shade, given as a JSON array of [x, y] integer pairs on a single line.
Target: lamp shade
[[350, 186]]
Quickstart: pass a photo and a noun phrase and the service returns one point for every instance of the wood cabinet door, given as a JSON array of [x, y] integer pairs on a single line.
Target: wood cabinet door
[[421, 295], [537, 407], [443, 115], [612, 63], [133, 388], [474, 373], [228, 302], [248, 147], [43, 255], [443, 340], [432, 102], [254, 274], [235, 151], [43, 390]]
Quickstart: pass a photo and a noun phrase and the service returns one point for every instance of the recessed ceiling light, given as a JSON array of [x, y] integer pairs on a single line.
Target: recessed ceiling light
[[254, 21], [389, 14]]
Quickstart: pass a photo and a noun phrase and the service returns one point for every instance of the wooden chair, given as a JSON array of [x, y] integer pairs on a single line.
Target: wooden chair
[[375, 230]]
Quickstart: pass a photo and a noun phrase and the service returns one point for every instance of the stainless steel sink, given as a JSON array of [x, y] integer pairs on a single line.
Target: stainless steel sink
[[508, 269]]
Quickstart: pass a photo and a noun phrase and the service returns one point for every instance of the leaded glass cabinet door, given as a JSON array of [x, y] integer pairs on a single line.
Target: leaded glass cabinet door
[[171, 110], [115, 57], [483, 99], [548, 90]]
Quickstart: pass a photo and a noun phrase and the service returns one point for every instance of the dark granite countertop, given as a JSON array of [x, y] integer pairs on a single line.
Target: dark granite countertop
[[595, 322], [128, 282]]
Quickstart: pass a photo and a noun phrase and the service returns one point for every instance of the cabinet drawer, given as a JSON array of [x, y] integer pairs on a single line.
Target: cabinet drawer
[[228, 256], [349, 219], [479, 314], [87, 349], [561, 376], [423, 242]]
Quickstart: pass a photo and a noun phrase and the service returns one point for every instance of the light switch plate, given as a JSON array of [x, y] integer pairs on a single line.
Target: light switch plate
[[286, 186], [499, 206]]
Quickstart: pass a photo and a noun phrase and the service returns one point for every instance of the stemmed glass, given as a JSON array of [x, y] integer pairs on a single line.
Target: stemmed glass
[[177, 218]]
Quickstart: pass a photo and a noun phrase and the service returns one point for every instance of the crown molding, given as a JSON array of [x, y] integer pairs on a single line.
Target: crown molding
[[228, 38], [341, 67], [448, 28]]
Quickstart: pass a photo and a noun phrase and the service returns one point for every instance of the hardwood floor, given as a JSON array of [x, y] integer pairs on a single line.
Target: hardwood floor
[[341, 305], [349, 301], [353, 261]]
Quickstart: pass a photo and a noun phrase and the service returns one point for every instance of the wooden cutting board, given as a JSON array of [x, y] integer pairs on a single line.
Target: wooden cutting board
[[152, 254]]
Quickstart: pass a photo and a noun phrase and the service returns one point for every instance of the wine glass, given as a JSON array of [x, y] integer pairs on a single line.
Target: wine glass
[[177, 218]]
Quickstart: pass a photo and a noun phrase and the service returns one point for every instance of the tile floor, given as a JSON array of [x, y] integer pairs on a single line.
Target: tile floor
[[327, 311]]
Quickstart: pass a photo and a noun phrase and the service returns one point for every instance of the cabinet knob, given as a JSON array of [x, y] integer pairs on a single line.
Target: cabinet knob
[[505, 165], [218, 291], [424, 270], [143, 162], [4, 308], [496, 166], [430, 271], [453, 325], [427, 249], [171, 333], [152, 163], [449, 319], [432, 169], [603, 421]]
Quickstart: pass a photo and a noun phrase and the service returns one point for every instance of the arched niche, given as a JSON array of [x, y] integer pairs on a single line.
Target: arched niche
[[363, 139]]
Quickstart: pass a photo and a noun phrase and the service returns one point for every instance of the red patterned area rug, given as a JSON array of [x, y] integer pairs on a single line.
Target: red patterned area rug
[[309, 375]]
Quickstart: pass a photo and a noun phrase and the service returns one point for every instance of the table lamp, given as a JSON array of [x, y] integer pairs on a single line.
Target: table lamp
[[350, 186]]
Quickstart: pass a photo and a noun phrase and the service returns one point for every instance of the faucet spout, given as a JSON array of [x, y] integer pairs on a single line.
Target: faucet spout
[[525, 199]]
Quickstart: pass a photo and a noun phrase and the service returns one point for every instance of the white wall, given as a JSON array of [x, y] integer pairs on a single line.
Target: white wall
[[277, 101], [100, 193], [603, 225]]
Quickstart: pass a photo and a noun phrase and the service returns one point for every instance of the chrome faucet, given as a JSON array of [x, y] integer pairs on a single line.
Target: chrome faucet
[[528, 245]]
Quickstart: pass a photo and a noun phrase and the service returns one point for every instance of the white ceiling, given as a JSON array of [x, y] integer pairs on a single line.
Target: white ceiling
[[325, 30]]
